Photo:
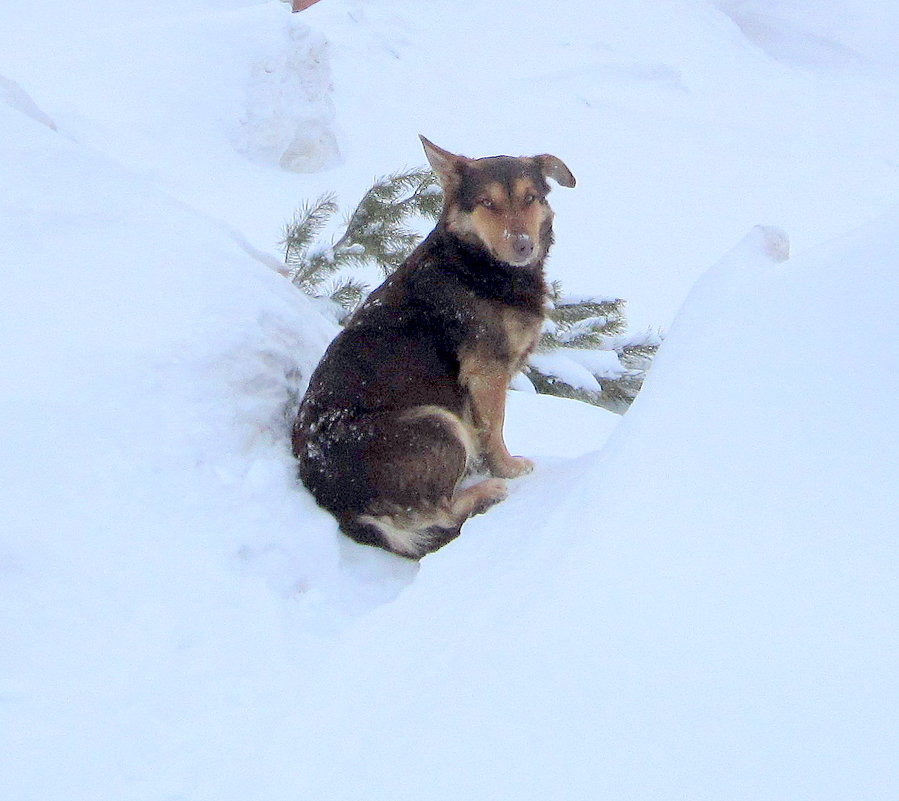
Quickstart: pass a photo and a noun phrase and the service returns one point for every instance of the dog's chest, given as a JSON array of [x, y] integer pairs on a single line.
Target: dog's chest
[[505, 333], [522, 330]]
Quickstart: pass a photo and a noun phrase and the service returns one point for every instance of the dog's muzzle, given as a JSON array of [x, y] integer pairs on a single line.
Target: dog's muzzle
[[522, 249]]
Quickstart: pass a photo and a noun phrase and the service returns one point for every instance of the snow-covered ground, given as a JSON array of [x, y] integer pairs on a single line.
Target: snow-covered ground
[[698, 600]]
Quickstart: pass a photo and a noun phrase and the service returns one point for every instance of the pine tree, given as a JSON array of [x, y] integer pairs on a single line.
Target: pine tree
[[377, 232], [584, 351]]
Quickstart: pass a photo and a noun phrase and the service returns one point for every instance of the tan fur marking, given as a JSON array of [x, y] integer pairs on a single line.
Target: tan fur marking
[[521, 188], [461, 224], [407, 533], [487, 381], [477, 498], [490, 226]]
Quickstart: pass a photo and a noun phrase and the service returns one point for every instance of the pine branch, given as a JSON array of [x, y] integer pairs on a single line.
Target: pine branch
[[595, 324], [377, 222], [310, 273], [376, 232], [347, 293], [307, 224]]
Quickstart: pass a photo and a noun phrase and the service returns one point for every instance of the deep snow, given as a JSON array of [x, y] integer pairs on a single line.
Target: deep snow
[[695, 601]]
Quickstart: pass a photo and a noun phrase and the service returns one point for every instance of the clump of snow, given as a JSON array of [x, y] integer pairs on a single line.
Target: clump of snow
[[289, 120], [558, 364], [600, 363]]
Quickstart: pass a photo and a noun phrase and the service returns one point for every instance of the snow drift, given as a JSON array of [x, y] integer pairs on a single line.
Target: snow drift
[[706, 610]]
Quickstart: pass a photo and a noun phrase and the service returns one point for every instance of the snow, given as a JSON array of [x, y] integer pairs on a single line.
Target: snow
[[602, 363], [558, 364], [697, 600]]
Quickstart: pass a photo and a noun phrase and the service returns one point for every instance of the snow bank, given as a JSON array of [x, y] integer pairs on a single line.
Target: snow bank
[[147, 362], [220, 104], [704, 610]]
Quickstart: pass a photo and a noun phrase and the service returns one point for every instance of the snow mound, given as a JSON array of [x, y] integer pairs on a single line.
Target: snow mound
[[289, 119], [703, 610]]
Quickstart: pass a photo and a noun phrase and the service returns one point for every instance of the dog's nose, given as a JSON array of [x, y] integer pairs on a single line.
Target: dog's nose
[[522, 247]]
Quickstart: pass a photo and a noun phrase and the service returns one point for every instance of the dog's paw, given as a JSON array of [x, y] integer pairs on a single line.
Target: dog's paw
[[478, 498], [488, 493], [512, 467]]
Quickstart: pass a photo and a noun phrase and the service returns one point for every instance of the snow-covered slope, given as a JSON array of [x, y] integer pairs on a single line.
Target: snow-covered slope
[[161, 567], [704, 610], [703, 606]]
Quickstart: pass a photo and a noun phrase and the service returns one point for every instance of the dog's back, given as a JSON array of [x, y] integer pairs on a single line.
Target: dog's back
[[388, 426]]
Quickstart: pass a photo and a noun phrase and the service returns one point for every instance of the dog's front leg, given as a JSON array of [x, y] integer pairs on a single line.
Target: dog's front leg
[[487, 385]]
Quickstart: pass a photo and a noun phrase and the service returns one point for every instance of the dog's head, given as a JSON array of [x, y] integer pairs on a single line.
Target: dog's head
[[499, 203]]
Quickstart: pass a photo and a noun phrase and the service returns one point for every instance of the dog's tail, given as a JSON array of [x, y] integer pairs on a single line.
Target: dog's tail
[[409, 536]]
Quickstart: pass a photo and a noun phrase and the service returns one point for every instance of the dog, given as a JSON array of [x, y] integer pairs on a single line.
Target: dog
[[409, 398]]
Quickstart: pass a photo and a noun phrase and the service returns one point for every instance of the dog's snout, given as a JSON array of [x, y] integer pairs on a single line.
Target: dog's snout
[[522, 247]]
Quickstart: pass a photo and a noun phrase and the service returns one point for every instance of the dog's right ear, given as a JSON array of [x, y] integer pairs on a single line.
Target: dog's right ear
[[553, 167], [444, 163]]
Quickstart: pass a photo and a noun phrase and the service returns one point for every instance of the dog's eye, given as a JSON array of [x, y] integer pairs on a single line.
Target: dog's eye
[[529, 199], [486, 202]]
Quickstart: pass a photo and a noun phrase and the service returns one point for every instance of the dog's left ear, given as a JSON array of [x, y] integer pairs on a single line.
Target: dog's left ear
[[444, 163], [553, 167]]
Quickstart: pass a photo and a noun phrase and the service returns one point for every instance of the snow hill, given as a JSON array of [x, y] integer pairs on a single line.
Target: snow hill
[[697, 600]]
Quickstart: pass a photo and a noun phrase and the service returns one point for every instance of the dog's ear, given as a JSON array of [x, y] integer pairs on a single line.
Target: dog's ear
[[553, 167], [444, 163]]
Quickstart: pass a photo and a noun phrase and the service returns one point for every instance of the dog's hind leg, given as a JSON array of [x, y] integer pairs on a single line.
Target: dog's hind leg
[[413, 533], [416, 467], [447, 524]]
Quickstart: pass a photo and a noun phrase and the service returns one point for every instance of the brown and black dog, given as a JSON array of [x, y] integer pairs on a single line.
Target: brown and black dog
[[410, 397]]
